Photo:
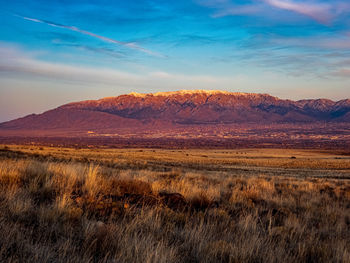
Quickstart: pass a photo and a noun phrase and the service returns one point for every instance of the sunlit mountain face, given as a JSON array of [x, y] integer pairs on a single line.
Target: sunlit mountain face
[[203, 107], [60, 51], [188, 118], [187, 107]]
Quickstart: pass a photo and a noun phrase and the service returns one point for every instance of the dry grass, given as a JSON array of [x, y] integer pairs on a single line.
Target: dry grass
[[195, 159], [60, 210]]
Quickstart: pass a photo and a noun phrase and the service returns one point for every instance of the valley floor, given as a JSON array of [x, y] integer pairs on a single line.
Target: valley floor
[[156, 205]]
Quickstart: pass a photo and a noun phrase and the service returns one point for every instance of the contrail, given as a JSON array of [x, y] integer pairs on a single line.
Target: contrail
[[105, 39]]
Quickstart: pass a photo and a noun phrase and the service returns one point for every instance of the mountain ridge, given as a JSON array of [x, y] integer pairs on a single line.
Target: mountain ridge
[[141, 105], [184, 107]]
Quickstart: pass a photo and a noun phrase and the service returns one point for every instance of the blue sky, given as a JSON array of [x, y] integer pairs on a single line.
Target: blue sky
[[54, 52]]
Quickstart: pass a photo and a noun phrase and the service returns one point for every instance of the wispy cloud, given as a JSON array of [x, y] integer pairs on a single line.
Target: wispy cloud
[[81, 31], [228, 8], [344, 73], [100, 50], [21, 64], [320, 12], [335, 42], [312, 57]]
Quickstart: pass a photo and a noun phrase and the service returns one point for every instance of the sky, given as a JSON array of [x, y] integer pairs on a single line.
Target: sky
[[55, 52]]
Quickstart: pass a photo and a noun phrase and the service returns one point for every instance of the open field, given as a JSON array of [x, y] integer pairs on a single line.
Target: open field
[[157, 205]]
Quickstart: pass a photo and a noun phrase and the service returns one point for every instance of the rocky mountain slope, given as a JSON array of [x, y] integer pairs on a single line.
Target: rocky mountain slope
[[196, 107]]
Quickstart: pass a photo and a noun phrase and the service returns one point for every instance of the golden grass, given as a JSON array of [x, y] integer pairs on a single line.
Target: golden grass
[[59, 208], [276, 158]]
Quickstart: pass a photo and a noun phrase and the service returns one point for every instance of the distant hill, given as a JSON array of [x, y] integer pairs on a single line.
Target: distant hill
[[137, 111]]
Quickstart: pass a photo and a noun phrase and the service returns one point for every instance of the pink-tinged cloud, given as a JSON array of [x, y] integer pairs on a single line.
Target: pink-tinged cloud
[[320, 12], [105, 39], [344, 73]]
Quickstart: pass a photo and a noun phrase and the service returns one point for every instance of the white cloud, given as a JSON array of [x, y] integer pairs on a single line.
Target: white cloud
[[103, 38]]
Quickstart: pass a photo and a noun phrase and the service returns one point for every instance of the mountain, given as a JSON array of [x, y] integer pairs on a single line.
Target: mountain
[[137, 111]]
